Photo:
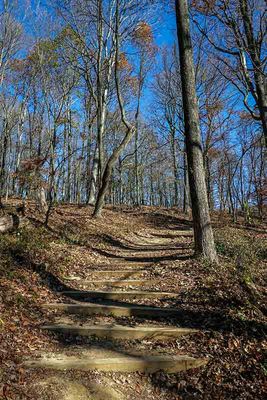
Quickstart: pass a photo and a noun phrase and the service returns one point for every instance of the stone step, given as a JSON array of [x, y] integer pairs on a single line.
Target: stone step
[[121, 332], [130, 310], [119, 282], [145, 364], [97, 294]]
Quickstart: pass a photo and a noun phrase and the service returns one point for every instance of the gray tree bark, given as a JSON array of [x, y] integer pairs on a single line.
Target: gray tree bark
[[174, 166], [203, 234], [129, 130], [93, 185]]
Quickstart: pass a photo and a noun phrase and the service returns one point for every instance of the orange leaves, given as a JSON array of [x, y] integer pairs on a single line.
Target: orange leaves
[[213, 153], [133, 83], [210, 6], [245, 116], [17, 65], [214, 108], [123, 63], [204, 6], [30, 170], [32, 164], [143, 35]]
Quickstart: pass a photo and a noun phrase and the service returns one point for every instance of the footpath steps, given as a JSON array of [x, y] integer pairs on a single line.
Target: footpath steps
[[145, 364], [105, 303], [120, 332], [125, 273], [119, 282], [126, 310], [115, 295]]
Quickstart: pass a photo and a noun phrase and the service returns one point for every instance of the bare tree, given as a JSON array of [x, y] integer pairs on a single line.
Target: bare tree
[[143, 41], [10, 36], [129, 128], [169, 112], [236, 30]]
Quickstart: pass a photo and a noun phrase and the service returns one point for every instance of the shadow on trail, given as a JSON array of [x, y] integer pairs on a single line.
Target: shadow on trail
[[108, 239], [169, 236], [145, 259], [209, 320], [161, 221], [214, 320]]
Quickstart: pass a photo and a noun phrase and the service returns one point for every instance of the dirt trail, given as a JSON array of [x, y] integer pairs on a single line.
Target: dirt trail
[[109, 320], [139, 302]]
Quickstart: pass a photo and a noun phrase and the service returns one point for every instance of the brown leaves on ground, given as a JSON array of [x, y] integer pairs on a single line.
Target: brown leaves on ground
[[226, 303]]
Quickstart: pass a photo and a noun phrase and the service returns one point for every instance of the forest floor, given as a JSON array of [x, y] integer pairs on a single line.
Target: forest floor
[[226, 303]]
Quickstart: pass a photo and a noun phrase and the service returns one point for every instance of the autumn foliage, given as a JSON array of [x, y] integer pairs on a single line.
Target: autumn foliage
[[205, 6], [123, 63], [143, 35]]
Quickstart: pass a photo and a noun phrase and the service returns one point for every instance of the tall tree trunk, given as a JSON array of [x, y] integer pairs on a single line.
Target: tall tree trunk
[[64, 169], [203, 234], [92, 194], [108, 171], [129, 129], [70, 151], [120, 182], [136, 141], [3, 160], [51, 187], [186, 204], [175, 169], [208, 180]]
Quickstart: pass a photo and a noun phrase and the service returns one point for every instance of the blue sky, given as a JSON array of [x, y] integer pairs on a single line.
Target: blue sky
[[36, 15], [26, 8]]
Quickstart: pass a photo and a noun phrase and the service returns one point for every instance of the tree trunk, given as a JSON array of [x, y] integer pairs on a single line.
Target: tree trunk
[[186, 204], [136, 142], [88, 165], [41, 200], [203, 234], [3, 160], [68, 194], [107, 173], [9, 223], [120, 182], [208, 180], [92, 195], [175, 169], [128, 127]]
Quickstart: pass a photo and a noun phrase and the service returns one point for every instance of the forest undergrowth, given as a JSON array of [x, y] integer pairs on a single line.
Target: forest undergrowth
[[226, 302]]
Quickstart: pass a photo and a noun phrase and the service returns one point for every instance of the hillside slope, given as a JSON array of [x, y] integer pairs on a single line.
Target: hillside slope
[[225, 302]]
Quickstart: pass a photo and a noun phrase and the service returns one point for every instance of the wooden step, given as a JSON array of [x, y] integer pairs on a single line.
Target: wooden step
[[121, 332], [130, 310], [97, 294], [119, 282], [124, 262], [126, 273], [146, 364]]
